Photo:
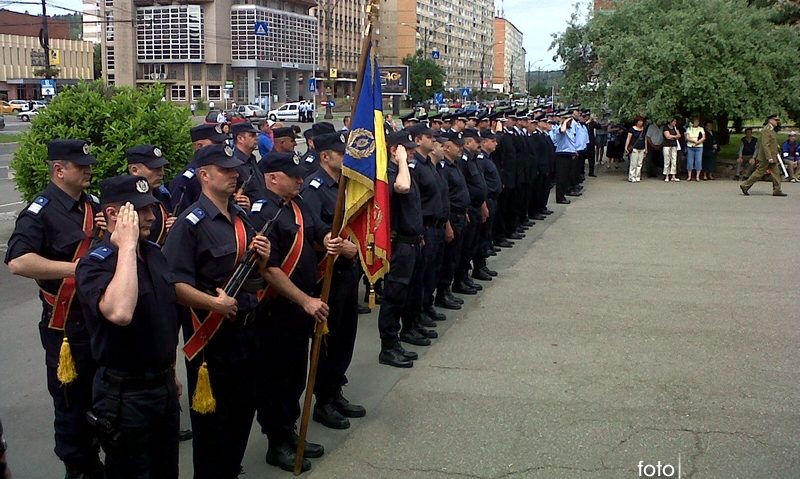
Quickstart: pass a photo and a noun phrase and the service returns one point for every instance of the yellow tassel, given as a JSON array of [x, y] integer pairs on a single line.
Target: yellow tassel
[[371, 295], [324, 329], [203, 398], [66, 371]]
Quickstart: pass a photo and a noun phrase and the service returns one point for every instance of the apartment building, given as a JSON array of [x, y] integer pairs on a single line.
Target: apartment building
[[341, 26], [508, 72]]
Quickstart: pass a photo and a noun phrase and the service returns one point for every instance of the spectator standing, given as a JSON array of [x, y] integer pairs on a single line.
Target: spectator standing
[[265, 140], [616, 144], [791, 156], [672, 136], [747, 155], [694, 149], [710, 150], [601, 139], [636, 144], [655, 143], [221, 118]]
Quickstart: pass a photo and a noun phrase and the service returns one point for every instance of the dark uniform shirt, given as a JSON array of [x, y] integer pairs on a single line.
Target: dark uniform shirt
[[475, 182], [184, 189], [282, 236], [431, 186], [52, 227], [158, 231], [507, 154], [458, 193], [320, 193], [490, 174], [406, 209], [249, 173], [149, 342], [310, 161]]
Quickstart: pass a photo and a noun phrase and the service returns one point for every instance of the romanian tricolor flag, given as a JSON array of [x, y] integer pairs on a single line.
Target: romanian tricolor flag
[[366, 207]]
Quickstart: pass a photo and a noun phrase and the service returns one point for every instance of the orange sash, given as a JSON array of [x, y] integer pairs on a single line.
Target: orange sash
[[62, 300], [290, 261], [205, 330], [162, 235]]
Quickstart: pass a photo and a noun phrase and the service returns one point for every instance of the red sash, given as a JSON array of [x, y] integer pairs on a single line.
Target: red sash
[[62, 300], [205, 330], [290, 261], [162, 235]]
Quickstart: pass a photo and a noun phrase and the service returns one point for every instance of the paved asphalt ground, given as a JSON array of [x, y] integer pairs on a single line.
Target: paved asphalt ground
[[645, 322]]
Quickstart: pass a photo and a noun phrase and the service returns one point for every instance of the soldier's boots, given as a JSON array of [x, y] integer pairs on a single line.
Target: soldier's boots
[[445, 299], [481, 275], [449, 294], [392, 354], [327, 415], [435, 315], [283, 456], [346, 408], [413, 336]]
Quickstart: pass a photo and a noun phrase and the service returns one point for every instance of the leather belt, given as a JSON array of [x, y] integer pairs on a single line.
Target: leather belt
[[145, 380]]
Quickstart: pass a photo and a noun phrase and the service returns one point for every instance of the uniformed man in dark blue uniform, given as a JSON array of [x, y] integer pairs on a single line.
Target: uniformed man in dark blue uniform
[[546, 164], [50, 235], [509, 165], [310, 159], [149, 161], [288, 313], [251, 183], [458, 195], [205, 245], [319, 192], [493, 185], [477, 213], [124, 284], [405, 266], [184, 188], [285, 140]]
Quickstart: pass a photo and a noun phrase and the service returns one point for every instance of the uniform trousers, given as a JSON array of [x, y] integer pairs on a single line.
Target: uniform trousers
[[564, 162], [405, 270], [470, 243], [507, 210], [433, 254], [147, 418], [76, 442], [542, 192], [452, 250], [220, 438], [761, 170], [337, 350]]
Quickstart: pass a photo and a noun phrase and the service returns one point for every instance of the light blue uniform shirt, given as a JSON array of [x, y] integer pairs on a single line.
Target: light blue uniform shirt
[[582, 135], [565, 142]]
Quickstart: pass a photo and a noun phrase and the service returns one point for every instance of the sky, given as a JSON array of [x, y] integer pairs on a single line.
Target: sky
[[538, 20]]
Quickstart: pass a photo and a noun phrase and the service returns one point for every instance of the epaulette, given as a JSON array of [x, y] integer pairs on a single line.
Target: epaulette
[[315, 183], [481, 156], [153, 243], [37, 205], [196, 216], [101, 253], [441, 163], [164, 191], [189, 173], [257, 206], [465, 157], [412, 164], [94, 199], [310, 159]]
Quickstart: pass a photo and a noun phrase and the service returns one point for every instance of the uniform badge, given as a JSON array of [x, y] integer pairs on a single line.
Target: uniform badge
[[296, 159], [195, 216], [310, 159], [315, 183], [460, 135], [157, 152], [229, 151], [38, 204], [410, 139], [189, 173], [343, 138], [85, 148], [142, 186], [101, 253], [257, 206]]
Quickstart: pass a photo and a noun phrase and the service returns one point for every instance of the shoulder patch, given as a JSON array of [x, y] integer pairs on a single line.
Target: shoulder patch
[[94, 199], [310, 159], [465, 157], [164, 191], [480, 156], [257, 206], [315, 183], [37, 205], [441, 163], [196, 216], [412, 165], [101, 253], [189, 173]]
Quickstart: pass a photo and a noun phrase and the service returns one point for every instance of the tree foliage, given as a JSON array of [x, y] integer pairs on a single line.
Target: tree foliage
[[111, 120], [706, 57], [419, 70]]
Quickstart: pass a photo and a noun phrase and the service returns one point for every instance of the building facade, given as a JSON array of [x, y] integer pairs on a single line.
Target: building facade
[[458, 35], [21, 56], [92, 21], [508, 72], [341, 27], [223, 51]]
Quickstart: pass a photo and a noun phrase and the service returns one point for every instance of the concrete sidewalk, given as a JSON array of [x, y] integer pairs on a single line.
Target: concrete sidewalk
[[652, 322]]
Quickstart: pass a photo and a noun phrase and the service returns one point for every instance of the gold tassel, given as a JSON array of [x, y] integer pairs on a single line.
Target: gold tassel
[[203, 400], [371, 295], [66, 371], [324, 330]]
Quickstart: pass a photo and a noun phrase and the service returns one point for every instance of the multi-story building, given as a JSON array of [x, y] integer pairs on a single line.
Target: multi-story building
[[508, 73], [341, 26], [221, 51], [21, 55], [92, 21], [459, 33]]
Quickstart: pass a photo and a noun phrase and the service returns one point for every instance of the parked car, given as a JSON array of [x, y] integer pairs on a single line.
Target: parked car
[[23, 104], [232, 115], [6, 107], [28, 115], [251, 111], [287, 112], [2, 122]]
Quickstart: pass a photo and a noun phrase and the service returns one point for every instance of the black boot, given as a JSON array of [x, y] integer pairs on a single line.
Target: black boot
[[361, 309], [474, 285], [449, 294], [283, 456], [480, 275], [329, 416], [392, 354], [488, 271], [435, 315], [443, 301], [426, 321], [346, 408], [413, 336]]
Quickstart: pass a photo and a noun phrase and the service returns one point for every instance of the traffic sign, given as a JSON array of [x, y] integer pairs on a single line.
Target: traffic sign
[[333, 73], [48, 87], [428, 82], [262, 29], [438, 98], [325, 103], [465, 92], [312, 84], [435, 54]]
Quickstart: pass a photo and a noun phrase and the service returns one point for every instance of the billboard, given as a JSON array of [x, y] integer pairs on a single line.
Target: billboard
[[394, 80]]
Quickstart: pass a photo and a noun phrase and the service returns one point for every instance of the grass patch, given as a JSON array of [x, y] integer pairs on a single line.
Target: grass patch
[[10, 137], [731, 150]]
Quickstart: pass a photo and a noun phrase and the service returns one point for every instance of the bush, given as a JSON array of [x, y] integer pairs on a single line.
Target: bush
[[112, 120]]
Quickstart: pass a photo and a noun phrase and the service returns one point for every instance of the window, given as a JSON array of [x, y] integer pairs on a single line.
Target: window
[[197, 92], [178, 92], [109, 58], [214, 92], [170, 33]]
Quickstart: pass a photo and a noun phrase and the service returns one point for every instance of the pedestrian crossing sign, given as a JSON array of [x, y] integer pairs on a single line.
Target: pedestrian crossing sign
[[262, 28]]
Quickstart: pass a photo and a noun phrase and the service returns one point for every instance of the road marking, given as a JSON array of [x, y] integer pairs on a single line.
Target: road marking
[[12, 204]]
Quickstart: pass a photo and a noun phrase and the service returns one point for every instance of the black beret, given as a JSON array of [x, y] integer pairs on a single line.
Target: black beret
[[148, 155], [76, 151], [220, 155], [127, 188]]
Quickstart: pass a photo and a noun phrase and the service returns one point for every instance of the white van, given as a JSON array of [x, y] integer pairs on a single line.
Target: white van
[[287, 112]]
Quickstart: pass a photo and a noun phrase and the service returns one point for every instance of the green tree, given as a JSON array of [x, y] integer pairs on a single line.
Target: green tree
[[98, 61], [112, 120], [715, 58], [419, 70]]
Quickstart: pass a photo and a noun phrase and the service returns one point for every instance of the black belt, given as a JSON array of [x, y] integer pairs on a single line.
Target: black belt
[[146, 380], [435, 222], [406, 239], [457, 211]]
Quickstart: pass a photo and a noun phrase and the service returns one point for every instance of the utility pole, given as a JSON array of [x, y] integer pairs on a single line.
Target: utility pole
[[329, 89], [44, 40], [511, 80], [528, 85]]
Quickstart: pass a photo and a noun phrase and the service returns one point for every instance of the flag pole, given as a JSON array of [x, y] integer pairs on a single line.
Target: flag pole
[[336, 226]]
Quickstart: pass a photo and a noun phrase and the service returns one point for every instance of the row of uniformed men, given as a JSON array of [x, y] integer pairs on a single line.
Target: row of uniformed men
[[109, 304]]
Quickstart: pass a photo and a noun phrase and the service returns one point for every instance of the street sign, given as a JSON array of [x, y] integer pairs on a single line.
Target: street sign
[[428, 82], [229, 85], [435, 54], [55, 58], [48, 87], [312, 85], [465, 92], [325, 103], [262, 29], [438, 98], [333, 73]]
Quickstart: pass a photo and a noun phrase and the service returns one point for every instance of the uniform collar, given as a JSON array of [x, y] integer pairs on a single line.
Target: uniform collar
[[211, 209], [237, 153], [53, 192], [325, 177], [420, 159]]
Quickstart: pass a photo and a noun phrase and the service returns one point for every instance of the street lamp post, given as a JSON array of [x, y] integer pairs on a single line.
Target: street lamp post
[[330, 85]]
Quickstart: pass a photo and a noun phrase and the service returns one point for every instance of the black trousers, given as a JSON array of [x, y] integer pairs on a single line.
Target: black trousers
[[654, 161], [148, 420], [540, 192], [433, 254], [220, 438], [76, 441], [470, 243], [399, 301], [452, 250], [284, 333], [337, 350], [508, 199], [590, 157], [521, 202], [564, 162]]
